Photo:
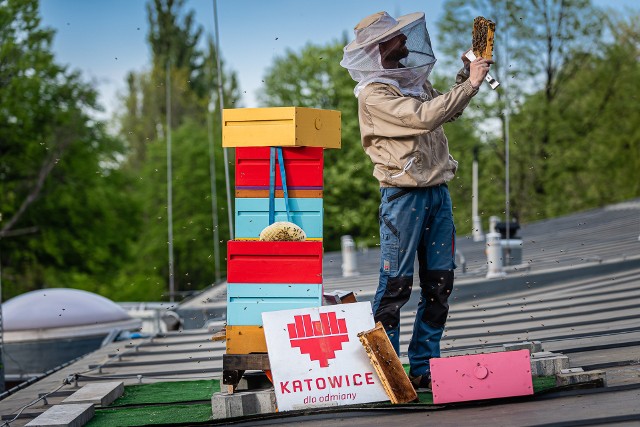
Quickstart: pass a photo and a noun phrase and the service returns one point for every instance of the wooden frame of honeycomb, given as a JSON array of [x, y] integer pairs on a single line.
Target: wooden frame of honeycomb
[[482, 37]]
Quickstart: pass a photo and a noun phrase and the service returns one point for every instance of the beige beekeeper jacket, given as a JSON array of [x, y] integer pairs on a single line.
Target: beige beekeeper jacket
[[403, 135]]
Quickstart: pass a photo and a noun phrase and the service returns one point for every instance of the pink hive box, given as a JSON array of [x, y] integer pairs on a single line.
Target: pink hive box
[[481, 376]]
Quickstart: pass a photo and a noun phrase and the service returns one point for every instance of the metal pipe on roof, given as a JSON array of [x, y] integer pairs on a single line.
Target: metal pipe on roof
[[169, 186], [214, 192], [221, 101], [2, 384]]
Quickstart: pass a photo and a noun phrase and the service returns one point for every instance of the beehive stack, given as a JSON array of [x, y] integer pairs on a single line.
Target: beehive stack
[[273, 275]]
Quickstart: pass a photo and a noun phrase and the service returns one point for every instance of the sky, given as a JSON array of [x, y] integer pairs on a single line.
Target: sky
[[106, 39]]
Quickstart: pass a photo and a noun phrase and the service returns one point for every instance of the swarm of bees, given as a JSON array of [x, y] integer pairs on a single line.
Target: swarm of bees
[[283, 231]]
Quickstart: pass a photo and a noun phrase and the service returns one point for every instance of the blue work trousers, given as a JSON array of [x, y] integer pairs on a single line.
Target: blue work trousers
[[416, 221]]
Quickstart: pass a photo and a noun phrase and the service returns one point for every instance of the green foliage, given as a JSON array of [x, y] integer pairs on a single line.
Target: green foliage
[[534, 37], [65, 221], [174, 37], [175, 46], [195, 105], [594, 142], [75, 214], [145, 277], [538, 50]]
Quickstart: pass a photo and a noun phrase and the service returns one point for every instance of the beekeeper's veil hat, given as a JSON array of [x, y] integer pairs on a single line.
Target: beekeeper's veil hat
[[362, 56]]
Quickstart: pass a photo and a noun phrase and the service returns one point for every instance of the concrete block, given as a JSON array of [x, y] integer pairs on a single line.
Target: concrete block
[[571, 370], [579, 377], [243, 403], [546, 363], [532, 346], [75, 415], [541, 354], [101, 394]]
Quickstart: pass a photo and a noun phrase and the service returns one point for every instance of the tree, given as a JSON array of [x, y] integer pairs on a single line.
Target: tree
[[145, 277], [195, 111], [593, 147], [174, 38], [542, 36], [58, 172]]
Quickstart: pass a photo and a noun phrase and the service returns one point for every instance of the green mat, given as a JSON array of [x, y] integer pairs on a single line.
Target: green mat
[[540, 384], [168, 392], [161, 403], [161, 399], [177, 414]]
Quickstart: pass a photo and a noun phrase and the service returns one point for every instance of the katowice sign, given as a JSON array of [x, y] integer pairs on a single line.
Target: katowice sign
[[317, 359]]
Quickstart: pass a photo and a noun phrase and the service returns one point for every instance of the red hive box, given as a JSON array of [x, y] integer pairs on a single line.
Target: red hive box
[[303, 167], [274, 262]]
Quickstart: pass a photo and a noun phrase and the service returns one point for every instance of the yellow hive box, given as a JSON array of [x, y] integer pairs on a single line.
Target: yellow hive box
[[281, 127], [245, 340]]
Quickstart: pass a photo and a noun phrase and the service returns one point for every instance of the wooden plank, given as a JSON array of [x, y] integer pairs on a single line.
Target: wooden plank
[[385, 361], [339, 297], [245, 362], [219, 336], [292, 192], [245, 339]]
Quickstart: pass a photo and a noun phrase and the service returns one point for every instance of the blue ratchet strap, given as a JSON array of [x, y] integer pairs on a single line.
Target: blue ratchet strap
[[275, 153], [283, 177], [272, 185]]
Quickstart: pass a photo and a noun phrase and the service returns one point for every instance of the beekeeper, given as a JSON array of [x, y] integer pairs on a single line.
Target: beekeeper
[[401, 118]]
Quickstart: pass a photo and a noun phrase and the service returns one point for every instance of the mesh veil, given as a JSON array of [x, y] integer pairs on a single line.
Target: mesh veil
[[364, 64]]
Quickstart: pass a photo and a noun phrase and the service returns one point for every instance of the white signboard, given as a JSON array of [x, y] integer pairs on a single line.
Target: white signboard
[[317, 359]]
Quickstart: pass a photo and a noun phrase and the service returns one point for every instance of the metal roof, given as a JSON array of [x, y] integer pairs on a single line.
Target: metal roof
[[577, 292]]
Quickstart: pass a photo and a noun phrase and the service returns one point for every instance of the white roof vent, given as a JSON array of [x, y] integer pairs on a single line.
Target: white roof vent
[[58, 308]]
